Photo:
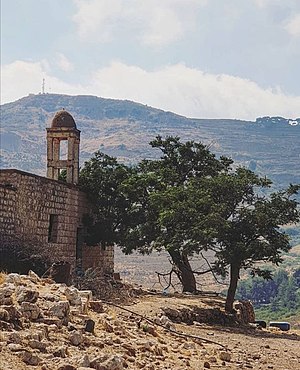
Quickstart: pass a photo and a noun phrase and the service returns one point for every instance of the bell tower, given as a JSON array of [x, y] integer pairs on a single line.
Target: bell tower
[[62, 128]]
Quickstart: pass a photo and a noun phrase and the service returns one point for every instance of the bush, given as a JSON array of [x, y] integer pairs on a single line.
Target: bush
[[20, 255]]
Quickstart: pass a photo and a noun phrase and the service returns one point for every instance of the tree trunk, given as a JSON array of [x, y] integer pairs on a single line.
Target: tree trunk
[[185, 273], [234, 277]]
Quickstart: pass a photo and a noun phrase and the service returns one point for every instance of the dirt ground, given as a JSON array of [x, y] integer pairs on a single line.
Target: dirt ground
[[249, 348], [131, 335]]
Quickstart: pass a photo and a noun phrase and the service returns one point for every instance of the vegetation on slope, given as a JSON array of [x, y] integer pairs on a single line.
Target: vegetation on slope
[[274, 299]]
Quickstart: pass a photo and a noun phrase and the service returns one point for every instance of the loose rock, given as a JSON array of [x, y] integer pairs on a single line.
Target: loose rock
[[76, 338], [225, 356]]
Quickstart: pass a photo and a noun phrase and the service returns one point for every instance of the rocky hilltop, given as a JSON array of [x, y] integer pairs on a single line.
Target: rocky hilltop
[[270, 146], [49, 326]]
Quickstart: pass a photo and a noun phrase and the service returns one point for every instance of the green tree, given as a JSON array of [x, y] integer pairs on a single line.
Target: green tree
[[180, 215], [186, 202], [101, 178], [252, 231]]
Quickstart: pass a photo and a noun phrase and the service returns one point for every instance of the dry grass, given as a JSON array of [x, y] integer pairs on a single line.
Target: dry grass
[[2, 277]]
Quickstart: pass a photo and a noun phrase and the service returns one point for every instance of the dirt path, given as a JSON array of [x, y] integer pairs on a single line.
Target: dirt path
[[248, 348]]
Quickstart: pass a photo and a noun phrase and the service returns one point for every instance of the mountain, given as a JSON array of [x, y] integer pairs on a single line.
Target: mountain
[[270, 146]]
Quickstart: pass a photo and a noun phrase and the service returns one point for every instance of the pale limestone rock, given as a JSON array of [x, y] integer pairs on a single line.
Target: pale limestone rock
[[149, 367], [76, 338], [107, 326], [157, 350], [14, 313], [6, 291], [86, 294], [49, 297], [85, 361], [39, 334], [98, 361], [115, 362], [13, 278], [67, 367], [35, 344], [24, 294], [30, 310], [225, 356], [151, 330], [84, 306], [30, 359], [189, 345], [7, 301], [53, 323], [15, 338], [15, 347], [163, 320], [60, 352], [72, 296], [34, 277], [130, 349], [60, 309], [4, 315], [52, 328]]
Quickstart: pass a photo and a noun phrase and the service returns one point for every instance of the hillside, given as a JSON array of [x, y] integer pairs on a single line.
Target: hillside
[[270, 146], [49, 326]]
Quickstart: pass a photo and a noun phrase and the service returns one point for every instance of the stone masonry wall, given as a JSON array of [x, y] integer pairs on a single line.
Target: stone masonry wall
[[28, 203], [91, 255], [7, 209]]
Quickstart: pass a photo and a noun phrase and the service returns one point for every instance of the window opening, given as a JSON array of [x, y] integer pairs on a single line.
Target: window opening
[[53, 229], [63, 150]]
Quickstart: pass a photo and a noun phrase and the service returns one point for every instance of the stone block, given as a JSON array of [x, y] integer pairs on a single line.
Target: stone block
[[60, 309]]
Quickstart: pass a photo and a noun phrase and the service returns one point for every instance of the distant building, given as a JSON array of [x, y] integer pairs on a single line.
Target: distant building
[[48, 212]]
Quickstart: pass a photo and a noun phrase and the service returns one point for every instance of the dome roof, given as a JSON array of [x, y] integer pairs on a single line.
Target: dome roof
[[63, 119]]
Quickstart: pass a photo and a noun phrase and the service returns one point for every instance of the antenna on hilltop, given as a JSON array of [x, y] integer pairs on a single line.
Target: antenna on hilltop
[[43, 86]]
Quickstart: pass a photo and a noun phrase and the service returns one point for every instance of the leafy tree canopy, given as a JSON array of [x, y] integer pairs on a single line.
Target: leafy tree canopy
[[101, 178], [186, 202]]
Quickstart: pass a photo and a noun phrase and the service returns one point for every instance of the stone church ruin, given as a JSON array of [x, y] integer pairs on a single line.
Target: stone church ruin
[[45, 212]]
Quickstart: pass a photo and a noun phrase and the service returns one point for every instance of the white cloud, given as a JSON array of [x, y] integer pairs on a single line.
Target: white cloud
[[163, 26], [31, 75], [152, 22], [176, 88], [63, 62], [194, 93], [95, 18], [262, 3], [271, 3], [293, 25]]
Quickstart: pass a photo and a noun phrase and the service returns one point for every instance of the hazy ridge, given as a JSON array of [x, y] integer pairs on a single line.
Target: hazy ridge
[[124, 129]]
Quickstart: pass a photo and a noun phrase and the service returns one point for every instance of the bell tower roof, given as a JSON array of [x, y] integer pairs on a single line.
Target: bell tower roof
[[63, 119], [63, 128]]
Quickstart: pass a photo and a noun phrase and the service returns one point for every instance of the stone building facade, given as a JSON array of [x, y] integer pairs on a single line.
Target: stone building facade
[[49, 213]]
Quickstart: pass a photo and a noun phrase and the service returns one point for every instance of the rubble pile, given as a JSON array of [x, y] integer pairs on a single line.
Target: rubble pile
[[244, 314], [106, 287], [52, 326], [46, 325], [189, 315]]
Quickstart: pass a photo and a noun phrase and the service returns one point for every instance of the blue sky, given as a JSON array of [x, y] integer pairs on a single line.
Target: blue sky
[[199, 58]]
